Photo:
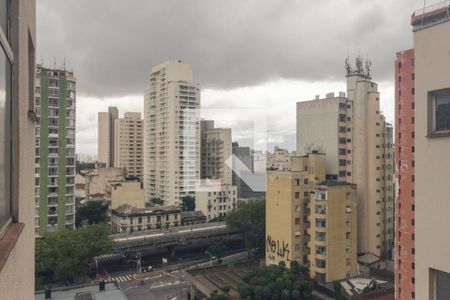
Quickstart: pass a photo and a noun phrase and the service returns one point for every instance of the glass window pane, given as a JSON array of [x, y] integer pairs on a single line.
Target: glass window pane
[[5, 76], [443, 111], [4, 16]]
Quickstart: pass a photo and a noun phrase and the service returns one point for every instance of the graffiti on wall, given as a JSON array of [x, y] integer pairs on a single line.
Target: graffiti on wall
[[276, 248]]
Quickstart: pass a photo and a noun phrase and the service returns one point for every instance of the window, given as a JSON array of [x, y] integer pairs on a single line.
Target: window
[[348, 235], [440, 111], [5, 126], [440, 283]]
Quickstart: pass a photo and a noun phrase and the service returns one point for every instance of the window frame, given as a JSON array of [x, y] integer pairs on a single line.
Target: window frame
[[432, 132], [9, 58]]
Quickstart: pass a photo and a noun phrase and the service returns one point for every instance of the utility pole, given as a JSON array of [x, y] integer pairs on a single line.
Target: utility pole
[[138, 262]]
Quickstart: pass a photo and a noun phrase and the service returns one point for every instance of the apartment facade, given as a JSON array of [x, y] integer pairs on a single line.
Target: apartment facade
[[106, 135], [431, 28], [17, 117], [279, 159], [358, 142], [217, 201], [311, 221], [55, 150], [125, 192], [171, 133], [405, 175], [129, 145], [216, 149]]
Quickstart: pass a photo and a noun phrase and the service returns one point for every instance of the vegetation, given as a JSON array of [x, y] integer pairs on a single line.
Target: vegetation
[[277, 282], [217, 296], [80, 165], [217, 249], [157, 201], [64, 255], [187, 203], [249, 218], [93, 212]]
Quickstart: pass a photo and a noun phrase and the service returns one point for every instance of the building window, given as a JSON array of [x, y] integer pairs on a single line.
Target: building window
[[440, 111], [5, 130], [440, 283]]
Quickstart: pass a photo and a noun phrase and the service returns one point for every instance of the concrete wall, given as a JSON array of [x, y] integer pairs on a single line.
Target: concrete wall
[[432, 63], [17, 275]]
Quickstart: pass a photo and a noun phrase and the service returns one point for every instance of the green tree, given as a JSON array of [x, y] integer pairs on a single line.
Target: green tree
[[157, 201], [187, 203], [249, 219], [93, 212], [275, 282], [66, 254], [217, 248]]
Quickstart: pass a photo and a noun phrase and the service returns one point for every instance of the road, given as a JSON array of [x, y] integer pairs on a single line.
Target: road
[[160, 287]]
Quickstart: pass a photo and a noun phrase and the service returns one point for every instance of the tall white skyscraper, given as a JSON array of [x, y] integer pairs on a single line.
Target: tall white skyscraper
[[171, 133]]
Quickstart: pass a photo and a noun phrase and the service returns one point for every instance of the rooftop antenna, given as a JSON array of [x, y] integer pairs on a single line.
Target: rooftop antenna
[[64, 64], [54, 62]]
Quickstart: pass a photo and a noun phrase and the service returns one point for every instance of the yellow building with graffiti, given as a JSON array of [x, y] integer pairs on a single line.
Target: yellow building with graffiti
[[310, 220]]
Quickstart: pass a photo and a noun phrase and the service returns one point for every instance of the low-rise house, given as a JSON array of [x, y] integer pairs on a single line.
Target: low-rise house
[[127, 218], [192, 217]]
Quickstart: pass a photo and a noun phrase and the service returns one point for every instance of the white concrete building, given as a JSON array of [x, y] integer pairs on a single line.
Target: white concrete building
[[280, 159], [171, 133]]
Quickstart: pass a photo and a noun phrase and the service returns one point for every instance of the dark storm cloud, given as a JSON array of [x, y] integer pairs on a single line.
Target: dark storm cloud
[[112, 45]]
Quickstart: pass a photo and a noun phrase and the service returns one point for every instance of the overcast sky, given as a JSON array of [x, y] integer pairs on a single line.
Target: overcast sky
[[253, 56]]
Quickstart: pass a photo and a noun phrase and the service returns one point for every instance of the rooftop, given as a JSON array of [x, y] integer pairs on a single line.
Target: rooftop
[[126, 209], [431, 15]]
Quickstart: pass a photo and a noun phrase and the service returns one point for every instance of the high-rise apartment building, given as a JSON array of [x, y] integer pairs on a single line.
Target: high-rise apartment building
[[217, 196], [128, 143], [120, 141], [171, 133], [404, 168], [216, 149], [310, 220], [106, 135], [17, 116], [358, 142], [55, 150], [431, 27]]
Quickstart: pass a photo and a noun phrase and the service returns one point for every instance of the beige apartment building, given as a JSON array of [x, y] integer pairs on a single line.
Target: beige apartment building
[[358, 142], [120, 141], [431, 27], [17, 117], [171, 133], [128, 143], [279, 159], [216, 149], [125, 192], [106, 148], [216, 200], [311, 221], [98, 179]]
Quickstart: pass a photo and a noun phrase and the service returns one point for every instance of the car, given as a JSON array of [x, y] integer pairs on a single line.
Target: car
[[147, 269]]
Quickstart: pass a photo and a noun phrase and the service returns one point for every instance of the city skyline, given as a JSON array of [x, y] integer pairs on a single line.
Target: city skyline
[[252, 78]]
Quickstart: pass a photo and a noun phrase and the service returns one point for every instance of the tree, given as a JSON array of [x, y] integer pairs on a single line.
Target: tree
[[93, 212], [157, 201], [275, 282], [65, 255], [187, 203], [250, 220], [217, 248]]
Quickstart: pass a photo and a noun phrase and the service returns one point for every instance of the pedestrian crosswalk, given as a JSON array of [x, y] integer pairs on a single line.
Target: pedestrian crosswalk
[[106, 256], [122, 278]]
